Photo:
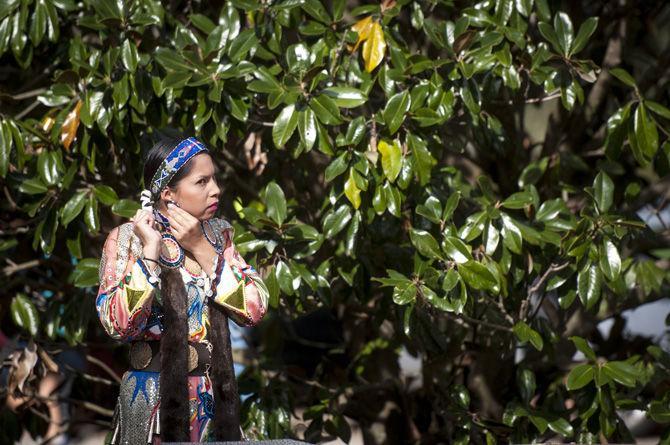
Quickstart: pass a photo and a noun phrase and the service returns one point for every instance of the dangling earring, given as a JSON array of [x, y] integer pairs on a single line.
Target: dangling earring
[[217, 242]]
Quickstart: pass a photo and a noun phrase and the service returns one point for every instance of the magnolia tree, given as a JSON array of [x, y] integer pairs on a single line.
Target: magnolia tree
[[474, 184]]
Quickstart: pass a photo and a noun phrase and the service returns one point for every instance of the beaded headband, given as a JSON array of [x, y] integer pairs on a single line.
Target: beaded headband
[[179, 156]]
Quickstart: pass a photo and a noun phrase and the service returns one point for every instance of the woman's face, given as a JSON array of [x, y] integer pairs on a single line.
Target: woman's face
[[197, 192]]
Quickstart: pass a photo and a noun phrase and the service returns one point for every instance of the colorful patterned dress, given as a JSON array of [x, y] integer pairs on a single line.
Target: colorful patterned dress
[[129, 308]]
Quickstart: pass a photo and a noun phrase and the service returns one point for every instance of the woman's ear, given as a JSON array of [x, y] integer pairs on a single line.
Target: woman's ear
[[167, 195]]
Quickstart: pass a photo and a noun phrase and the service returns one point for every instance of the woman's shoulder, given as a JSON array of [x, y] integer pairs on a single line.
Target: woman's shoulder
[[221, 224]]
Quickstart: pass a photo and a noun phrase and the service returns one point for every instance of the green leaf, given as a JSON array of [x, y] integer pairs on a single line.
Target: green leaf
[[518, 200], [307, 128], [425, 243], [525, 333], [125, 207], [603, 189], [621, 372], [404, 294], [584, 347], [72, 208], [171, 60], [658, 108], [645, 139], [610, 261], [580, 376], [105, 194], [346, 97], [5, 147], [457, 250], [241, 45], [284, 126], [33, 186], [275, 202], [38, 25], [337, 167], [589, 285], [91, 216], [450, 206], [564, 32], [391, 158], [585, 31], [511, 234], [478, 276], [623, 76], [335, 221], [85, 273], [326, 109], [24, 313], [129, 55], [561, 426], [394, 113], [548, 33]]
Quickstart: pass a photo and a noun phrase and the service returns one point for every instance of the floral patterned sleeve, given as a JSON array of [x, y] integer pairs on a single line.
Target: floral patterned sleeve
[[239, 287], [126, 293]]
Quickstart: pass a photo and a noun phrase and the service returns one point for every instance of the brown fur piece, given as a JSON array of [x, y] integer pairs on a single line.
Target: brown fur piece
[[174, 407], [226, 398]]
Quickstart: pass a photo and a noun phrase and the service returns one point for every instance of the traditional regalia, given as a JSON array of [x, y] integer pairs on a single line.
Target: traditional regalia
[[132, 308]]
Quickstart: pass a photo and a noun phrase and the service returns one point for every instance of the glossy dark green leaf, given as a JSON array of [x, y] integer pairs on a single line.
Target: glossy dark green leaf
[[457, 250], [276, 203], [105, 194], [610, 261], [346, 97], [621, 372], [334, 222], [129, 55], [527, 334], [584, 347], [478, 276], [125, 207], [589, 285], [394, 112], [623, 76], [564, 31], [285, 125], [425, 243], [24, 313], [307, 128], [580, 376], [73, 208], [603, 188], [584, 34], [337, 167], [325, 109]]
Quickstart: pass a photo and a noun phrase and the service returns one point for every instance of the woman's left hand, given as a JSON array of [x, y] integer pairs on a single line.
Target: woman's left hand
[[185, 227]]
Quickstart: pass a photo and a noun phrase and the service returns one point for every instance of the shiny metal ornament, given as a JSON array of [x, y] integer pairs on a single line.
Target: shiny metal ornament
[[192, 358], [140, 355]]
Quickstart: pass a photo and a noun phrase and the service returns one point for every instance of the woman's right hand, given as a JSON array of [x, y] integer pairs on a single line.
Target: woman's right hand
[[143, 226]]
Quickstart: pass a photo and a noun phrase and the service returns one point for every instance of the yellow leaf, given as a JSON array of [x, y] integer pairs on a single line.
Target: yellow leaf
[[374, 47], [362, 27], [69, 129], [352, 191]]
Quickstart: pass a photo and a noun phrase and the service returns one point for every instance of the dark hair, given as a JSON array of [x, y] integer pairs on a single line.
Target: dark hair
[[165, 140]]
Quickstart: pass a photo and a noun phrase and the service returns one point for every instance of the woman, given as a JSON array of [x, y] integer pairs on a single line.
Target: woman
[[169, 280]]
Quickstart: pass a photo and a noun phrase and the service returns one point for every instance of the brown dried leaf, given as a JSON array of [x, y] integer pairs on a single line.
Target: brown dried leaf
[[70, 126]]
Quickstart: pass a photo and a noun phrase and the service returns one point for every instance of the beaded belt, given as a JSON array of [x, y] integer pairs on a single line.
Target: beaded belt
[[146, 356]]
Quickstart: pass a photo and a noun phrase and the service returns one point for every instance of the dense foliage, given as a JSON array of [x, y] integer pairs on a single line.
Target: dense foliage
[[459, 180]]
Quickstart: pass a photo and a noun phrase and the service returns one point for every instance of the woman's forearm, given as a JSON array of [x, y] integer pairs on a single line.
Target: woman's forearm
[[152, 251]]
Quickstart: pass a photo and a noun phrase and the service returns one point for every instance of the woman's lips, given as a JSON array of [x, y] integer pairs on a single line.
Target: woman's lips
[[213, 206]]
